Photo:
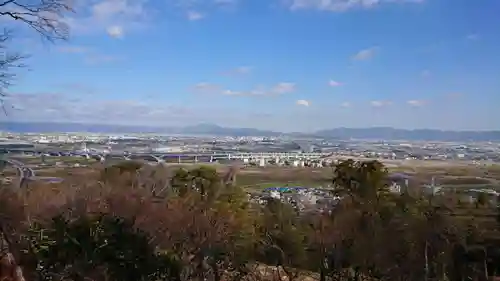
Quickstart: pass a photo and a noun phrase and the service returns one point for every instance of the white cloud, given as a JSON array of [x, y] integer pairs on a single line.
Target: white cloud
[[303, 103], [379, 103], [111, 8], [114, 17], [365, 54], [77, 88], [334, 83], [194, 15], [234, 93], [90, 55], [283, 88], [278, 89], [201, 6], [115, 31], [205, 87], [102, 109], [342, 5], [416, 103], [345, 104], [59, 107], [99, 109]]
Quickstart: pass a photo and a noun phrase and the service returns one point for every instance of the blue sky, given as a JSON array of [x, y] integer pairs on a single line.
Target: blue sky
[[289, 65]]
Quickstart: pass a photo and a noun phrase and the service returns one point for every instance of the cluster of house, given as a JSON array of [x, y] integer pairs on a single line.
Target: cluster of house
[[301, 198], [320, 199], [400, 183]]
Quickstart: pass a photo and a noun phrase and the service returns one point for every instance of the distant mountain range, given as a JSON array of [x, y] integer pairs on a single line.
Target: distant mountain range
[[385, 133], [200, 129]]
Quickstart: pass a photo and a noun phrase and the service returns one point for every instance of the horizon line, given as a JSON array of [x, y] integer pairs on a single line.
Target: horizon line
[[248, 128]]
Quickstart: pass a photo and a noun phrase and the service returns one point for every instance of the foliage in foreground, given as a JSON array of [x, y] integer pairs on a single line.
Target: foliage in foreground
[[136, 223]]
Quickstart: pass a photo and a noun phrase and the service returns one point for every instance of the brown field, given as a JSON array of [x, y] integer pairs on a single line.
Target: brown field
[[257, 178], [445, 173]]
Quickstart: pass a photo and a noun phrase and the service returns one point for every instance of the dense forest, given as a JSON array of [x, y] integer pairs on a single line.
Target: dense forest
[[141, 223]]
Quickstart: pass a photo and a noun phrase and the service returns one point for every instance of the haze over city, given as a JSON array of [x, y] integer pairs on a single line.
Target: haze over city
[[298, 65]]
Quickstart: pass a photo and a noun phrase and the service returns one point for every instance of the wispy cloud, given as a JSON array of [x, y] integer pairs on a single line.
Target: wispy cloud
[[198, 9], [68, 108], [416, 103], [278, 89], [365, 54], [89, 55], [305, 103], [112, 17], [104, 109], [380, 103], [78, 88], [472, 37], [342, 5], [207, 88], [283, 88], [334, 83], [238, 93], [194, 15], [346, 104]]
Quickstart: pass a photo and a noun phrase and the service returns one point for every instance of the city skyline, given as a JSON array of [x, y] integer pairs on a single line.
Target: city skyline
[[298, 65]]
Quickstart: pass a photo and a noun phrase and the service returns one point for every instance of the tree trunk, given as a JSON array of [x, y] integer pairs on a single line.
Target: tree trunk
[[322, 276], [426, 268], [485, 264], [444, 276]]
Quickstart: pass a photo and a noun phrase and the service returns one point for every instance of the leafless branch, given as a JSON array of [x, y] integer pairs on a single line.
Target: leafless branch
[[45, 16], [9, 61]]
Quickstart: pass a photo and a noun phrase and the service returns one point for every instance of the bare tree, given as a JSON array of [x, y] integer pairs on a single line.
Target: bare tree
[[45, 18], [8, 62], [42, 16]]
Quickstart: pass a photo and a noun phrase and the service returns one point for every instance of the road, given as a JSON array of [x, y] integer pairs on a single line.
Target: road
[[25, 173]]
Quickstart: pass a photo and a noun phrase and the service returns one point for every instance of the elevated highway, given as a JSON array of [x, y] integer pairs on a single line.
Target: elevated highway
[[196, 157], [24, 173], [27, 174]]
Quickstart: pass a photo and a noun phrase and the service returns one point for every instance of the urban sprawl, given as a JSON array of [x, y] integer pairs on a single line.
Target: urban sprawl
[[412, 164]]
